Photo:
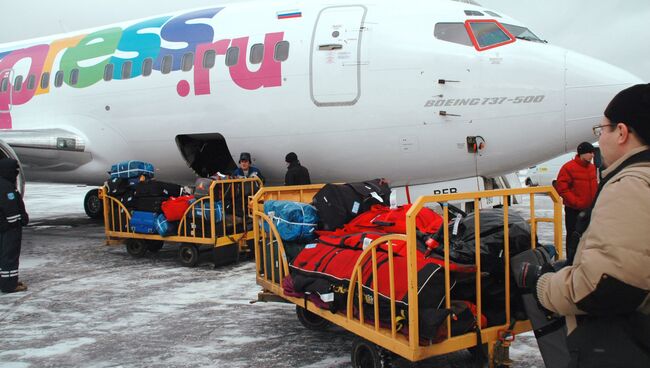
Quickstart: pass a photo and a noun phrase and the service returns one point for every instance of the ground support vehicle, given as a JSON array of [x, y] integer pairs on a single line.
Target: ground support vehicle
[[226, 232], [376, 342]]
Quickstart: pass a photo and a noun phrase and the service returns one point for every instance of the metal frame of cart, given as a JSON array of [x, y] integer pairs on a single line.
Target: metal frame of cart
[[232, 229], [372, 334]]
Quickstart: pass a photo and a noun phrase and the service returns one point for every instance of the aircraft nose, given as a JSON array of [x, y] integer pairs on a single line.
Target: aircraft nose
[[590, 85]]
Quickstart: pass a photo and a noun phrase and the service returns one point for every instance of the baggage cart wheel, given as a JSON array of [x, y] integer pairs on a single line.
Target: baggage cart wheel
[[188, 254], [136, 247], [93, 206], [311, 321], [368, 355], [154, 245]]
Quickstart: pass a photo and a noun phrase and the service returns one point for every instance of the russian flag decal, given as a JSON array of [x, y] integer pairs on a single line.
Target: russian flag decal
[[289, 14]]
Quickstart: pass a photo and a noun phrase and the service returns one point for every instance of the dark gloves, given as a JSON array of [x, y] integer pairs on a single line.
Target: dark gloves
[[529, 274]]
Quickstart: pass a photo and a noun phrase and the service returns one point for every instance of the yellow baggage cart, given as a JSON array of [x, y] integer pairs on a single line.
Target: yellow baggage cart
[[374, 340], [227, 233]]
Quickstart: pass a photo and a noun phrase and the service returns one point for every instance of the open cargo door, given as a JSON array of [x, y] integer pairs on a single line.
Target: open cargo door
[[206, 154]]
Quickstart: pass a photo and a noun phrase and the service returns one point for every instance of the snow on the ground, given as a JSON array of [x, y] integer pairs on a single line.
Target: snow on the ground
[[90, 305]]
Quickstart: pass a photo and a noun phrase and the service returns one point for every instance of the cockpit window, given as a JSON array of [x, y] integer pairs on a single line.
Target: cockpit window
[[452, 32], [522, 33], [492, 13], [487, 34]]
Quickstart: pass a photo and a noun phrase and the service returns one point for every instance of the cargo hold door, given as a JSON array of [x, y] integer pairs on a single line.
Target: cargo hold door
[[335, 68]]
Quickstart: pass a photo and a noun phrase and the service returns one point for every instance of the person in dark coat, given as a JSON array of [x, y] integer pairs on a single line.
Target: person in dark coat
[[296, 173], [12, 219], [577, 184], [245, 169]]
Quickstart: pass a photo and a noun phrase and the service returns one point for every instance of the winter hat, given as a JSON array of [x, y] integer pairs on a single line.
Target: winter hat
[[245, 156], [585, 147], [291, 157], [632, 107]]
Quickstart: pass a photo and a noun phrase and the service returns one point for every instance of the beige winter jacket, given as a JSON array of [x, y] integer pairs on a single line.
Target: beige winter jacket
[[615, 245]]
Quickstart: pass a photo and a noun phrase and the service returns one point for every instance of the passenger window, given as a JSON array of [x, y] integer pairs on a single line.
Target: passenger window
[[281, 51], [209, 59], [492, 14], [108, 72], [166, 66], [257, 53], [488, 34], [4, 85], [58, 79], [232, 56], [473, 13], [31, 82], [187, 62], [126, 69], [74, 77], [45, 80], [18, 83], [147, 67], [452, 32]]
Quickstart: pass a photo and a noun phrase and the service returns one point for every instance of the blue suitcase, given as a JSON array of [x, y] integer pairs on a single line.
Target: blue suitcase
[[164, 227], [131, 169], [143, 222]]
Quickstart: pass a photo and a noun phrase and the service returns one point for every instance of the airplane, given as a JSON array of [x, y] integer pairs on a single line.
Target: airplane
[[417, 92]]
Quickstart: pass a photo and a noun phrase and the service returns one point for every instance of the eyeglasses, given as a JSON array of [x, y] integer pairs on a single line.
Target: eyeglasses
[[598, 129]]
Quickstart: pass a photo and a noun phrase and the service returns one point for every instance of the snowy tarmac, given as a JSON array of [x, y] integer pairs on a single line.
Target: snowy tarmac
[[89, 305]]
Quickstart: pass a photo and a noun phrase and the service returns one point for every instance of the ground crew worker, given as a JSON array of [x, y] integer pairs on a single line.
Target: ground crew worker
[[12, 218], [296, 173], [605, 294], [245, 170], [577, 184]]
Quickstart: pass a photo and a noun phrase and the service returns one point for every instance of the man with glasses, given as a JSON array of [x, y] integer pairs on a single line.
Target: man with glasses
[[577, 184], [605, 293]]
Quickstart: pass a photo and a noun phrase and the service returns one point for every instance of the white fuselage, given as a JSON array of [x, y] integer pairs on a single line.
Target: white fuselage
[[366, 91]]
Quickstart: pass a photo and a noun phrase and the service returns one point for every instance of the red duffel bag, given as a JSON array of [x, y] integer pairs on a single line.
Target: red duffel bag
[[382, 218], [174, 208]]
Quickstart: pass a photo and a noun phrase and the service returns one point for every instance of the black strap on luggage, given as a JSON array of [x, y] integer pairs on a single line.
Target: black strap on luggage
[[584, 218]]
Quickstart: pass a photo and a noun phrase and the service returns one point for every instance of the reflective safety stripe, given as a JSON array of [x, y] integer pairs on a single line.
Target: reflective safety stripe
[[12, 219], [12, 273]]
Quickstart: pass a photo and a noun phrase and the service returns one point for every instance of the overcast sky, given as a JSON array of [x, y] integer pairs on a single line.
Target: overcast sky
[[616, 31]]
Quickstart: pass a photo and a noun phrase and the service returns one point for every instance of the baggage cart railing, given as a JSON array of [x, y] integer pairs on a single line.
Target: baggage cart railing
[[232, 228], [409, 346]]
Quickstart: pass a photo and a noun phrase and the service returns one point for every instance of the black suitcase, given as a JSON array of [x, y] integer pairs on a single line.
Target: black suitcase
[[148, 204], [338, 204], [119, 186], [154, 188]]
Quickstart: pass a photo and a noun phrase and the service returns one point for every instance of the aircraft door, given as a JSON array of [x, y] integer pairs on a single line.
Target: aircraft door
[[6, 76], [335, 68]]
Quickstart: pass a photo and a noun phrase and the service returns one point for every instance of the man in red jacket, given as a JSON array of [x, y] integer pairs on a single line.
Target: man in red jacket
[[577, 185]]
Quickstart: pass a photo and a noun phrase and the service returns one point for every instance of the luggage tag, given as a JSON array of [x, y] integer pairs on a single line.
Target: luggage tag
[[310, 246], [366, 243], [456, 224], [377, 197], [327, 298], [355, 207]]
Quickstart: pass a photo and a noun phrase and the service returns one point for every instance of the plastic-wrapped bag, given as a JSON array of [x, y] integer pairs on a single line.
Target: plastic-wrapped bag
[[295, 221]]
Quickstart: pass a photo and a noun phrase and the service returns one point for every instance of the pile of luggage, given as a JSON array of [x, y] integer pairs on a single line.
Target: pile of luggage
[[155, 206], [324, 241]]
